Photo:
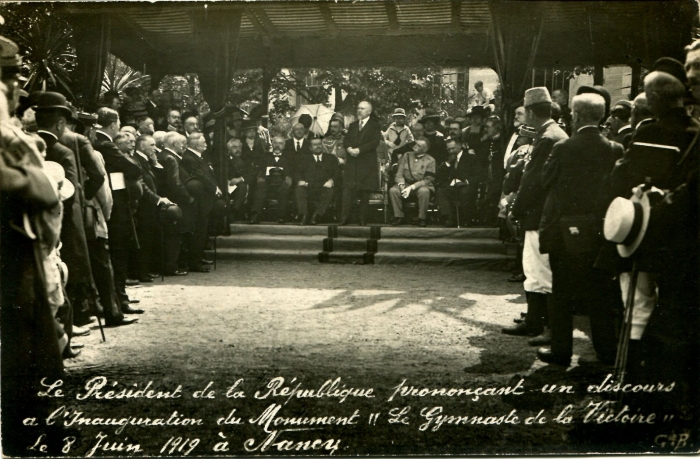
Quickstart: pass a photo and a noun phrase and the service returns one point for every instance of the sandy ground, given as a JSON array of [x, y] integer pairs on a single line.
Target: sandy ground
[[372, 326]]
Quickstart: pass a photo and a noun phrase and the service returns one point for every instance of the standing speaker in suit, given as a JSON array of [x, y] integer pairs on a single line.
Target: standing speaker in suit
[[193, 162], [361, 168]]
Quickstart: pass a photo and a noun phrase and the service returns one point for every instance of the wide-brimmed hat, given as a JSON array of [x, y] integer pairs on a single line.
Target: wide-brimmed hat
[[399, 112], [48, 100], [170, 214], [57, 175], [538, 95], [626, 222]]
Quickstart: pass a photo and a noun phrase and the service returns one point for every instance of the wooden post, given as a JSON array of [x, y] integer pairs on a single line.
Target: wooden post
[[266, 83], [634, 83], [599, 75]]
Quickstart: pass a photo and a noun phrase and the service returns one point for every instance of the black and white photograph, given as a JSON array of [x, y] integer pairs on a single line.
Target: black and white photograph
[[349, 228]]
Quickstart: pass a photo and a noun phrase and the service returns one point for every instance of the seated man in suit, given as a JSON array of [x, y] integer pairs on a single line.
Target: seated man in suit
[[274, 180], [415, 176], [241, 175], [461, 187], [316, 178]]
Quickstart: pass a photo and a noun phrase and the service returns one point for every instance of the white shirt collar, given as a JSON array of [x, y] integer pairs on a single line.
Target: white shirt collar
[[49, 133], [173, 152], [586, 127], [106, 135], [141, 154], [195, 152], [459, 155]]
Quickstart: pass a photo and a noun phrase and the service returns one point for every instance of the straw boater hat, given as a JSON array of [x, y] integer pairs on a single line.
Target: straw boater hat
[[626, 222], [57, 175], [537, 95], [399, 112]]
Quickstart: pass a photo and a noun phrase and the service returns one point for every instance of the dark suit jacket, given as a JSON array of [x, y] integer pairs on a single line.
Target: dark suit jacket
[[362, 171], [290, 146], [529, 203], [147, 204], [74, 251], [576, 176], [287, 165], [317, 174], [467, 169], [175, 177], [676, 129], [238, 166], [115, 160], [80, 145], [198, 168]]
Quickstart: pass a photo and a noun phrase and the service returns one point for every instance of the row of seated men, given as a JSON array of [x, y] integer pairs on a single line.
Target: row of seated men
[[314, 174]]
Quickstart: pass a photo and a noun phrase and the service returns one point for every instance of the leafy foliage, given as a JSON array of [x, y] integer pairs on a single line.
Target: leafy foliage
[[118, 76], [45, 41]]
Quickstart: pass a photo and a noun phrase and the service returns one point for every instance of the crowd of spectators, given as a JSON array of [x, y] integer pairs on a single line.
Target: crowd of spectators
[[94, 202]]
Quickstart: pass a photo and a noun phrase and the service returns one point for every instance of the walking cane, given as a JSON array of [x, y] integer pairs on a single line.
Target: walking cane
[[102, 330], [623, 344]]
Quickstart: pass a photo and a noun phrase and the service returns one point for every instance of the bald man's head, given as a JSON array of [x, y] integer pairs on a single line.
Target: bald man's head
[[663, 91], [640, 110]]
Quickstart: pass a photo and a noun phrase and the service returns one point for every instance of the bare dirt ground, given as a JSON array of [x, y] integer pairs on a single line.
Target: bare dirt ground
[[372, 326]]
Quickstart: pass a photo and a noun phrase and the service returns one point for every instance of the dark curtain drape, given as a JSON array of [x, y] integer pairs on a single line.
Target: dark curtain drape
[[92, 42], [514, 42], [218, 33]]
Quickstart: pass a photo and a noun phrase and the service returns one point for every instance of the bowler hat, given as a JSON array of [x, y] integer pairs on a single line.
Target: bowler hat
[[430, 117], [48, 100], [194, 187], [478, 110], [57, 174], [248, 124], [219, 208], [626, 222], [623, 107], [672, 67], [399, 112], [170, 214], [538, 95]]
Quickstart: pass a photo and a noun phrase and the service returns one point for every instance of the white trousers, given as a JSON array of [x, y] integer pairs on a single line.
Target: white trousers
[[536, 265], [644, 300]]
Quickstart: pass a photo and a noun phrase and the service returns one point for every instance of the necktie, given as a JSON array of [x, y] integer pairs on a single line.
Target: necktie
[[298, 145], [397, 142], [318, 158], [362, 124]]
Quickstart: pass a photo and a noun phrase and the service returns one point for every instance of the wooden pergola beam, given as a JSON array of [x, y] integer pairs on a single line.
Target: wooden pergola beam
[[264, 19], [328, 18], [392, 15], [456, 14], [257, 24]]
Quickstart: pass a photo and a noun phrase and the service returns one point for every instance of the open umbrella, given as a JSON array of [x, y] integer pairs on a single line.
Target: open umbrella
[[320, 114]]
